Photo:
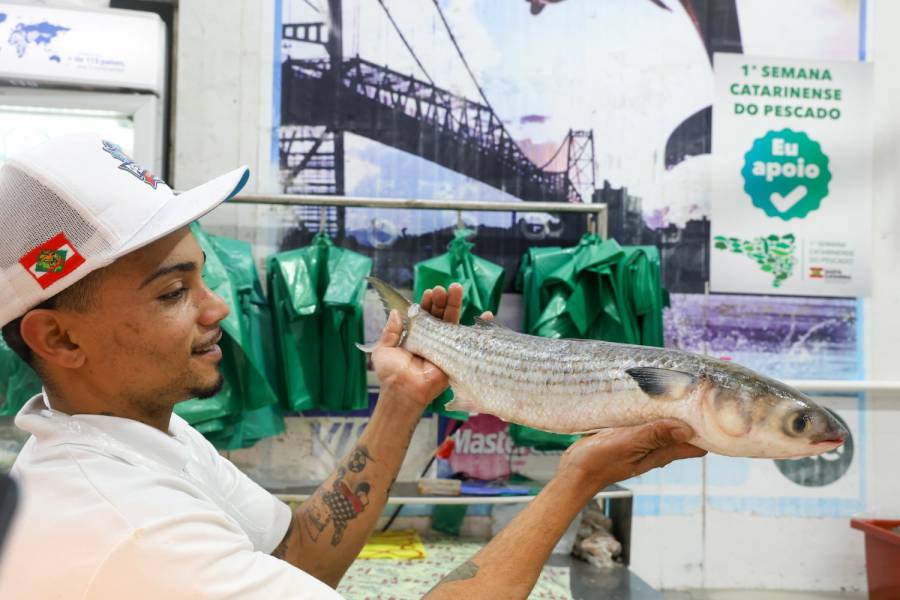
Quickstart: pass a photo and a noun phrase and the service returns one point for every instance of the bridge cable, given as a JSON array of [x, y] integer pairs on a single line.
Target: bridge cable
[[555, 154], [461, 56], [312, 6], [405, 42]]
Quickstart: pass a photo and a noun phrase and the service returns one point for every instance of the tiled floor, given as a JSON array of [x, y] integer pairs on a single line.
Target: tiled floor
[[761, 595]]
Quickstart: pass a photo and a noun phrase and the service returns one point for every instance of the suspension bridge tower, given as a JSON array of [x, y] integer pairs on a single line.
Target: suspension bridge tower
[[581, 170], [312, 156]]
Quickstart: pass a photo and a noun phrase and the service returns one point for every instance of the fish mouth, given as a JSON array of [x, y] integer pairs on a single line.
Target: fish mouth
[[834, 435], [829, 442]]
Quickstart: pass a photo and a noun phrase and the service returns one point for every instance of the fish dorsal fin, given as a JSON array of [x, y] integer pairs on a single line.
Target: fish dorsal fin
[[663, 384], [492, 326], [487, 324]]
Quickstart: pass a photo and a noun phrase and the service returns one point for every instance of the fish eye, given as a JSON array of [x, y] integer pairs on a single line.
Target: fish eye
[[799, 423]]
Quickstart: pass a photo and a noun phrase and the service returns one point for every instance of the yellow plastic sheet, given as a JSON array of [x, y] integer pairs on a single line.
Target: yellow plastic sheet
[[411, 579], [403, 544]]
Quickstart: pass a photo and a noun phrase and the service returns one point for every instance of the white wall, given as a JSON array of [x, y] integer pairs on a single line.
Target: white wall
[[223, 119], [223, 90], [223, 109]]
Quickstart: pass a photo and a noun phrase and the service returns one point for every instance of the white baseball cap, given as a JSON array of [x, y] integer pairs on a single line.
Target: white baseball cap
[[76, 203]]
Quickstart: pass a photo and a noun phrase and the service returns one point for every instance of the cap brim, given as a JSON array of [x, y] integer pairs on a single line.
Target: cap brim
[[187, 207]]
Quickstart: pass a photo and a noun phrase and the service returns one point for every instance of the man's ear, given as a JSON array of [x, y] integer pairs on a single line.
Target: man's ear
[[48, 337]]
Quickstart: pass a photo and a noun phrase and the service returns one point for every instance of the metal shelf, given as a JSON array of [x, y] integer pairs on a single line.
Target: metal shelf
[[407, 493]]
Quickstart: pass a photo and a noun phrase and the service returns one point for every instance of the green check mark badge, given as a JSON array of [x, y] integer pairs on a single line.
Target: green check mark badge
[[785, 203], [786, 174]]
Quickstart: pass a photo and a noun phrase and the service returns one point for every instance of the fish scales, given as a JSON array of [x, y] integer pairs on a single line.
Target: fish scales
[[543, 383]]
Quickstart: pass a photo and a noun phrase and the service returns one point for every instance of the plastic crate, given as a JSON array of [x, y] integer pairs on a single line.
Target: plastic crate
[[882, 557]]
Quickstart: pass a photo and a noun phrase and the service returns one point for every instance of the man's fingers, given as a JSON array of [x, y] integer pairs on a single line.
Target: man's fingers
[[390, 337], [438, 301], [487, 316], [453, 310], [663, 456], [664, 432], [443, 304], [425, 303]]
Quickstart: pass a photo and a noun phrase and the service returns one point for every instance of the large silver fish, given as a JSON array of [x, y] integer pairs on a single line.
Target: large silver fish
[[580, 386]]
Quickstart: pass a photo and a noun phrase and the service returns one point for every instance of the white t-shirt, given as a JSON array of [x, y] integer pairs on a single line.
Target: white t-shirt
[[113, 508]]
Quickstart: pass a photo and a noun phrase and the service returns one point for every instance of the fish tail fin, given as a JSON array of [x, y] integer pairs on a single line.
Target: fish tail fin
[[391, 299]]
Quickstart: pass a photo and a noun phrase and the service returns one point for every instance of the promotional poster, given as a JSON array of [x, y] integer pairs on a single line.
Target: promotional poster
[[792, 171]]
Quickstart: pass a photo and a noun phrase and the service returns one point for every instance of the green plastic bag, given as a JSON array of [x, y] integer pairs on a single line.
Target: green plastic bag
[[316, 294], [482, 283], [448, 518], [574, 292], [640, 280], [18, 382], [256, 320], [595, 290]]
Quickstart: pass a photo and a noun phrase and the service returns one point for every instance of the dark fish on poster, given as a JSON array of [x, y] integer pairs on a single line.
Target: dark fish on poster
[[688, 8], [533, 119], [580, 386], [538, 5]]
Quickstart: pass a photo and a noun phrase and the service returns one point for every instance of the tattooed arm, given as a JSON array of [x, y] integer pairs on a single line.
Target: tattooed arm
[[510, 564], [328, 530]]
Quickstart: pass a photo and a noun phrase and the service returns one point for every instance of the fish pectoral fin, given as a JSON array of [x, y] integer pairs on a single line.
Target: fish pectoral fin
[[368, 348], [461, 404], [663, 384]]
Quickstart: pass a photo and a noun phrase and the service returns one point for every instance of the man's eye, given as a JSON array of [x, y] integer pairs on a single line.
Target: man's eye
[[176, 295]]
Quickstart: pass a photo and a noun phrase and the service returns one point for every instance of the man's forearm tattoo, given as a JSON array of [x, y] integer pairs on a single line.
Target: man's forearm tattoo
[[342, 503], [358, 459], [467, 570], [281, 550]]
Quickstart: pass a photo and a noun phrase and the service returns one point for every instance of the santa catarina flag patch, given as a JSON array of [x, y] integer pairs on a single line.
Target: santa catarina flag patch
[[52, 260]]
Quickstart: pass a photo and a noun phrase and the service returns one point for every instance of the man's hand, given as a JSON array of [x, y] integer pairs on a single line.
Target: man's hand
[[619, 453], [404, 375], [511, 563]]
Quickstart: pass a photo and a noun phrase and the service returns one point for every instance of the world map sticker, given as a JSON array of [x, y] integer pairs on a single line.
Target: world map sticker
[[25, 35], [786, 174]]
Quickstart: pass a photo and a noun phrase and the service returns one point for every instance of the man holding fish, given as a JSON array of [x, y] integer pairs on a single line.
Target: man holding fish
[[100, 291]]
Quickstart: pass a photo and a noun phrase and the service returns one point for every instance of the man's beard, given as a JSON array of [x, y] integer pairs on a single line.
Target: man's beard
[[208, 391]]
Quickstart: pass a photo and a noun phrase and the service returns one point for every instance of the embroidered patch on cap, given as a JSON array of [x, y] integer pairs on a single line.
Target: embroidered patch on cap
[[52, 260], [130, 166]]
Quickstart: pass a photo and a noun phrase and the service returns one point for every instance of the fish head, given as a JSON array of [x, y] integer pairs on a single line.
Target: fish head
[[748, 414]]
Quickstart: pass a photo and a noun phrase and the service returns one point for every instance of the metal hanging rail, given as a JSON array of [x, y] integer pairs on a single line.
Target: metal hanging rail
[[598, 211], [835, 386]]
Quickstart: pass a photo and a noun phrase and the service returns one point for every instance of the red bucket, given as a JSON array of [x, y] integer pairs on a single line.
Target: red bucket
[[882, 557]]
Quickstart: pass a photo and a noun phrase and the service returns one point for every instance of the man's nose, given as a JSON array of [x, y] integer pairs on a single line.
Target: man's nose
[[214, 308]]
